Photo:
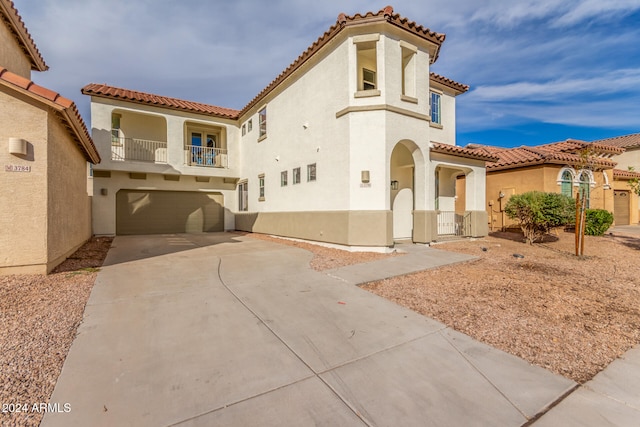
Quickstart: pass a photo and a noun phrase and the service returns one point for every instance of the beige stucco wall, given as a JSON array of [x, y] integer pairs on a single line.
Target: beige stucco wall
[[350, 228], [23, 195], [11, 56], [537, 178], [631, 157], [69, 205]]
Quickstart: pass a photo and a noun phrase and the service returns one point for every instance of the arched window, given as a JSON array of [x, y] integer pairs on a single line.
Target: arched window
[[585, 187], [566, 183], [566, 178]]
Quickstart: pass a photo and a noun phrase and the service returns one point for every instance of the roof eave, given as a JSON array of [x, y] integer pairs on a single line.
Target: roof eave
[[18, 28], [92, 93]]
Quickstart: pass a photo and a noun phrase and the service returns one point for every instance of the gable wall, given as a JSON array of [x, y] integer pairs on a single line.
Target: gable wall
[[23, 212], [12, 57], [69, 206]]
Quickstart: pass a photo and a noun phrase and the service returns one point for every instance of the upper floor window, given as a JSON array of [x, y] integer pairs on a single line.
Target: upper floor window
[[115, 128], [262, 121], [368, 79], [284, 176], [244, 129], [409, 54], [311, 172], [436, 116], [296, 176], [367, 62], [250, 125]]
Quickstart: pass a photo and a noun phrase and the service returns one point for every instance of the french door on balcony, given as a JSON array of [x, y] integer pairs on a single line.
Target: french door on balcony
[[203, 148]]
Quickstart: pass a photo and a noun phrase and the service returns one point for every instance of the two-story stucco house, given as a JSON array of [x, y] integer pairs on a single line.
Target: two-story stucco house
[[45, 147], [352, 144]]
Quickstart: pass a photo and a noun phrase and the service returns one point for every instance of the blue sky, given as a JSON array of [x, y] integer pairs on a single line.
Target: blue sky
[[539, 70]]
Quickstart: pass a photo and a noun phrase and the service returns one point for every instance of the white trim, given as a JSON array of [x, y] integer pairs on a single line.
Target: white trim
[[592, 181], [605, 179], [571, 170]]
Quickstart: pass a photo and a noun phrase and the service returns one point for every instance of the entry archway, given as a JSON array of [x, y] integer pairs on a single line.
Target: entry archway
[[402, 173]]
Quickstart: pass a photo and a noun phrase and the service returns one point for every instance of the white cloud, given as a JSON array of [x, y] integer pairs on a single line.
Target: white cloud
[[619, 81]]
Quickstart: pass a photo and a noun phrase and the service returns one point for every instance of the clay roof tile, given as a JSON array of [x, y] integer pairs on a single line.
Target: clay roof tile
[[624, 141], [67, 109], [105, 91]]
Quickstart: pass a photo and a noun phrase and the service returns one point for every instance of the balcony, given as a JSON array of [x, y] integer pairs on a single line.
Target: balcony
[[206, 156], [140, 150]]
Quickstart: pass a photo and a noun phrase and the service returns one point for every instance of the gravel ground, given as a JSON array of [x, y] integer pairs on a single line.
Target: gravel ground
[[572, 316], [39, 316], [327, 258]]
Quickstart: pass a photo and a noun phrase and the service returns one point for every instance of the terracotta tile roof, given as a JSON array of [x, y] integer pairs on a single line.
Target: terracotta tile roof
[[575, 145], [459, 87], [625, 174], [9, 15], [384, 15], [105, 91], [454, 150], [66, 109], [512, 158], [625, 141]]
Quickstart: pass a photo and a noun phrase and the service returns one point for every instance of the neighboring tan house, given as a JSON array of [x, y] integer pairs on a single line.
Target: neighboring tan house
[[569, 167], [45, 209], [626, 210], [353, 144]]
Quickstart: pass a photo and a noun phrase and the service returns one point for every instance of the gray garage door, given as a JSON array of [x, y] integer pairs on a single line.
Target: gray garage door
[[160, 212]]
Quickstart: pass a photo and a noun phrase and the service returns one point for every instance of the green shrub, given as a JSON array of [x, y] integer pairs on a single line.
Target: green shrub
[[539, 212], [598, 222]]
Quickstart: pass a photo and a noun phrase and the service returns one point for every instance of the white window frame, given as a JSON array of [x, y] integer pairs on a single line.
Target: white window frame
[[296, 176], [312, 172], [284, 178], [437, 110], [262, 123], [261, 188], [243, 196]]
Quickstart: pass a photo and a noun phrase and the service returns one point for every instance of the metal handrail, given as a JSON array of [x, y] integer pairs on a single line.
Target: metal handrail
[[142, 150], [206, 156]]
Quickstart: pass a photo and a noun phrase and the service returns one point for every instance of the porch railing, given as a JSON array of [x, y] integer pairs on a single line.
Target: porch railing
[[454, 224], [206, 156], [141, 150]]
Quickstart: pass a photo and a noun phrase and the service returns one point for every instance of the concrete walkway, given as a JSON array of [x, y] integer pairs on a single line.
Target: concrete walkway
[[220, 329]]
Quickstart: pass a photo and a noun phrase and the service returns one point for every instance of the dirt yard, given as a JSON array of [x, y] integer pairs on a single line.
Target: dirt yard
[[571, 316], [39, 316]]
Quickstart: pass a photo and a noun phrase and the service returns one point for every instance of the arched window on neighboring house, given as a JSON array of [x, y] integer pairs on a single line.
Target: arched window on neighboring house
[[565, 179], [585, 186], [566, 183]]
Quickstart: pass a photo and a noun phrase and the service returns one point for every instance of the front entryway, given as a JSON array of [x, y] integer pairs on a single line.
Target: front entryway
[[162, 212], [402, 191]]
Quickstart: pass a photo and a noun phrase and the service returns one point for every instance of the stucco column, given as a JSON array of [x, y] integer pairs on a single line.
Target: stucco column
[[475, 189]]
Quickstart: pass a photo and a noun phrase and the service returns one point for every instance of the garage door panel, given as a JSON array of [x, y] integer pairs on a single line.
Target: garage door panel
[[158, 212], [621, 204]]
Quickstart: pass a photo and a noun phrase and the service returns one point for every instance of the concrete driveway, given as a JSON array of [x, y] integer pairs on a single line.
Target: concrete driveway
[[223, 329]]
